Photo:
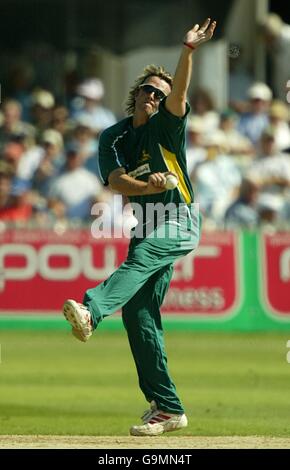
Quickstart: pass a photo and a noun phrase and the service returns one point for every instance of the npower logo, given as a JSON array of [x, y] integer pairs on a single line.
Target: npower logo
[[38, 261], [80, 261]]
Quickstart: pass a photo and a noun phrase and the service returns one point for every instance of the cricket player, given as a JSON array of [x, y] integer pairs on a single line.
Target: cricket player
[[135, 157]]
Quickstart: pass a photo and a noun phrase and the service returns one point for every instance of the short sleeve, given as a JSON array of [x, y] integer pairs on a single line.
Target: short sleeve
[[169, 122], [110, 155], [170, 129]]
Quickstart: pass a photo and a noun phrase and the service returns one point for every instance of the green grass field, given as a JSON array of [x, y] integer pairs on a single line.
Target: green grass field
[[230, 384]]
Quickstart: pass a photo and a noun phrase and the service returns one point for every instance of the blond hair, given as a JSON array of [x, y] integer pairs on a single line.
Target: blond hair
[[149, 71]]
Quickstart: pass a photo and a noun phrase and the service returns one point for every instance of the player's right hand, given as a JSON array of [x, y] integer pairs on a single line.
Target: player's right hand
[[199, 34]]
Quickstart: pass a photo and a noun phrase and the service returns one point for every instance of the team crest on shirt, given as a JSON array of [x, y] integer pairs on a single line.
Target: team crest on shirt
[[141, 170]]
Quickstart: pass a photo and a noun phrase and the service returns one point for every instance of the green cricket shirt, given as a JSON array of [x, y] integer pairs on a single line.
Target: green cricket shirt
[[157, 146]]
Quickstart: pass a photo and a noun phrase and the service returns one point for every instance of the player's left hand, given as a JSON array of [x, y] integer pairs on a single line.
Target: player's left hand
[[198, 35]]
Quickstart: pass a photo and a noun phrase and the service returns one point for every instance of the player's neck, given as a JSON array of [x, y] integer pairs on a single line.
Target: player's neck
[[140, 118]]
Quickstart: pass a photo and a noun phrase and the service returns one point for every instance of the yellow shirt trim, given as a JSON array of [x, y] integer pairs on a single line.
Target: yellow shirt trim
[[173, 165]]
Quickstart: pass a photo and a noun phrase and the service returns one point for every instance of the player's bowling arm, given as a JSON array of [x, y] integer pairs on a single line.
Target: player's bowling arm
[[176, 101]]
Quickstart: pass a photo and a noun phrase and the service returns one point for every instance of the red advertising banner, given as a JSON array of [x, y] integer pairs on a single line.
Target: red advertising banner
[[275, 285], [40, 269], [207, 282]]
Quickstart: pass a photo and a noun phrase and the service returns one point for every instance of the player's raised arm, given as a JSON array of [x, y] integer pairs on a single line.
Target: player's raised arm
[[176, 101]]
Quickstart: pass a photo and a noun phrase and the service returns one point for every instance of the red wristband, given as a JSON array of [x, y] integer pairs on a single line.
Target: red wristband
[[189, 45]]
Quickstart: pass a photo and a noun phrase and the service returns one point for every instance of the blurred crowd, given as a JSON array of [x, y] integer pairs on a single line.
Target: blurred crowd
[[239, 162], [49, 173], [238, 158]]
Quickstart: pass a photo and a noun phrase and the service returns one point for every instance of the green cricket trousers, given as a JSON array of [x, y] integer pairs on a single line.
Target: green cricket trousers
[[139, 286]]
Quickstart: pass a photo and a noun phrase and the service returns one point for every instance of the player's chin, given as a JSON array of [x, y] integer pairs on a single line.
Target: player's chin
[[149, 109]]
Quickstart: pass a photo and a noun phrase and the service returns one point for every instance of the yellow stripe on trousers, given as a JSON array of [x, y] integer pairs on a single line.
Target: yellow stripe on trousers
[[173, 165]]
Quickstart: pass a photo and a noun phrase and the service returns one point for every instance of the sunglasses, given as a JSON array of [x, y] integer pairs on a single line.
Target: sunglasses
[[158, 94]]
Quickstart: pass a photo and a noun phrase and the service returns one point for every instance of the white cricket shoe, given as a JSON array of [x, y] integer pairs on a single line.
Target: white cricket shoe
[[80, 319], [157, 422]]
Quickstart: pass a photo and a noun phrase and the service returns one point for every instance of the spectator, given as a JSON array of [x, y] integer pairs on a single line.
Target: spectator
[[75, 190], [60, 121], [42, 104], [13, 208], [271, 170], [26, 164], [51, 162], [217, 179], [202, 105], [91, 93], [277, 38], [253, 123], [243, 212], [83, 137], [12, 153], [12, 125], [279, 121], [237, 143]]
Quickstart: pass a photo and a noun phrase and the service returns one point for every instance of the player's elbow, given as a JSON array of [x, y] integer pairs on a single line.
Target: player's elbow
[[115, 179], [176, 105]]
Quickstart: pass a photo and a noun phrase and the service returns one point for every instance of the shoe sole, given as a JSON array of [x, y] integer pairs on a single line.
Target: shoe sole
[[71, 315]]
